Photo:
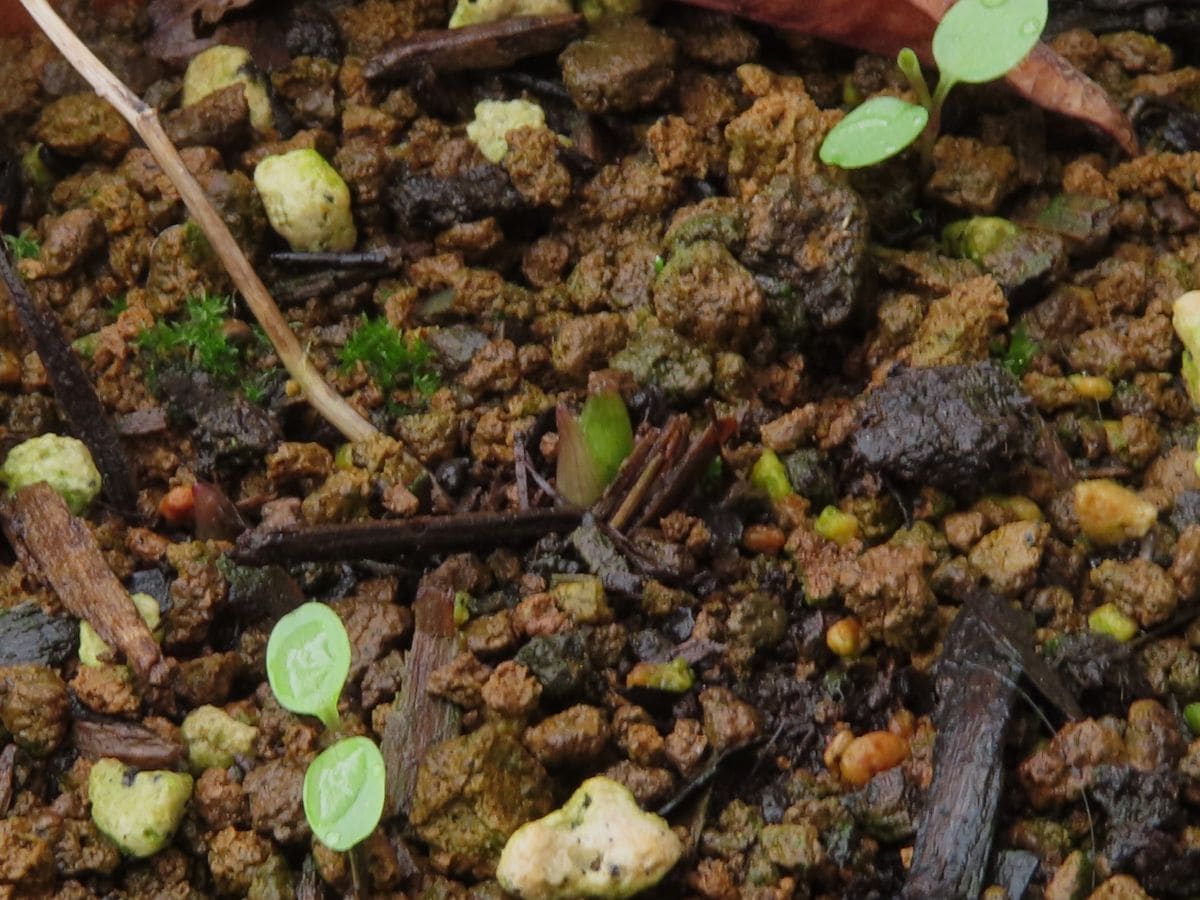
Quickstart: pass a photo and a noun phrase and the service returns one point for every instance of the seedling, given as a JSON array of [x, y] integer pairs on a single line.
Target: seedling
[[308, 658], [592, 447], [976, 41], [343, 792]]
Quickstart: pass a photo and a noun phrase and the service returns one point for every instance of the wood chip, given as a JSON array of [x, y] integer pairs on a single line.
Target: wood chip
[[59, 547], [131, 743]]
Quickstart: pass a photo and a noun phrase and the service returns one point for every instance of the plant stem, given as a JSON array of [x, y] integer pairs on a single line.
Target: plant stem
[[144, 121], [934, 125]]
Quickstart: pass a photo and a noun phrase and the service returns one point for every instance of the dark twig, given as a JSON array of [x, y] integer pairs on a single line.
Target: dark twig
[[333, 260], [385, 539], [684, 476], [73, 391], [493, 45]]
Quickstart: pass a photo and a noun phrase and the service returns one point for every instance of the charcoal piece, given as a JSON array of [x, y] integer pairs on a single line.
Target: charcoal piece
[[28, 635], [428, 203], [948, 426]]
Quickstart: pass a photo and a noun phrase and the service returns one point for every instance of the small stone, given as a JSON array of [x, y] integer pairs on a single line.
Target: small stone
[[599, 844]]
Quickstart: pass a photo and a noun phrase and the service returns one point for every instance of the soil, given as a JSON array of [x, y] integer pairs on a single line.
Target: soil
[[968, 454]]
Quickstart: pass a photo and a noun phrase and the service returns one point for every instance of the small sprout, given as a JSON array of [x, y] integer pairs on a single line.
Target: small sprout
[[846, 638], [674, 677], [769, 475], [577, 476], [494, 119], [1021, 351], [607, 431], [391, 360], [837, 526], [139, 813], [92, 649], [1108, 619], [976, 41], [592, 447], [62, 462], [344, 791], [221, 66], [24, 245], [214, 738], [306, 200], [308, 659], [1191, 715], [660, 263], [1092, 387]]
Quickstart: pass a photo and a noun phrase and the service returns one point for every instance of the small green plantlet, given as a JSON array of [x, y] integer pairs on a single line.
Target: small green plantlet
[[24, 245], [1021, 351], [976, 41], [308, 658], [592, 447], [390, 359], [344, 791], [607, 431]]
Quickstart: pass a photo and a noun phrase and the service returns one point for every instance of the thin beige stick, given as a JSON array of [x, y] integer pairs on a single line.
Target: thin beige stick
[[144, 120]]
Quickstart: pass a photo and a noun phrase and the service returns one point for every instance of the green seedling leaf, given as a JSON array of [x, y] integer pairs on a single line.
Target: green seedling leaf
[[308, 658], [607, 431], [982, 40], [343, 792], [1021, 351], [879, 128], [578, 476]]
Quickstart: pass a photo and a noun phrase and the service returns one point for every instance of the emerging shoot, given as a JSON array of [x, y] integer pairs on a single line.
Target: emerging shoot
[[976, 41], [308, 659], [592, 447]]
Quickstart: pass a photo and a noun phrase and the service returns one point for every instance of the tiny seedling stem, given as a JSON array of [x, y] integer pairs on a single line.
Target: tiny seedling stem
[[144, 121]]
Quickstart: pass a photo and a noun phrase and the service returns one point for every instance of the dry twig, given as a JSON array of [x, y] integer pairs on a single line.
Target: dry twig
[[144, 120]]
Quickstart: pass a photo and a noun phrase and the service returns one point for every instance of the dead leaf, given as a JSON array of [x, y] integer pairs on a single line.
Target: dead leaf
[[887, 26], [178, 25]]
